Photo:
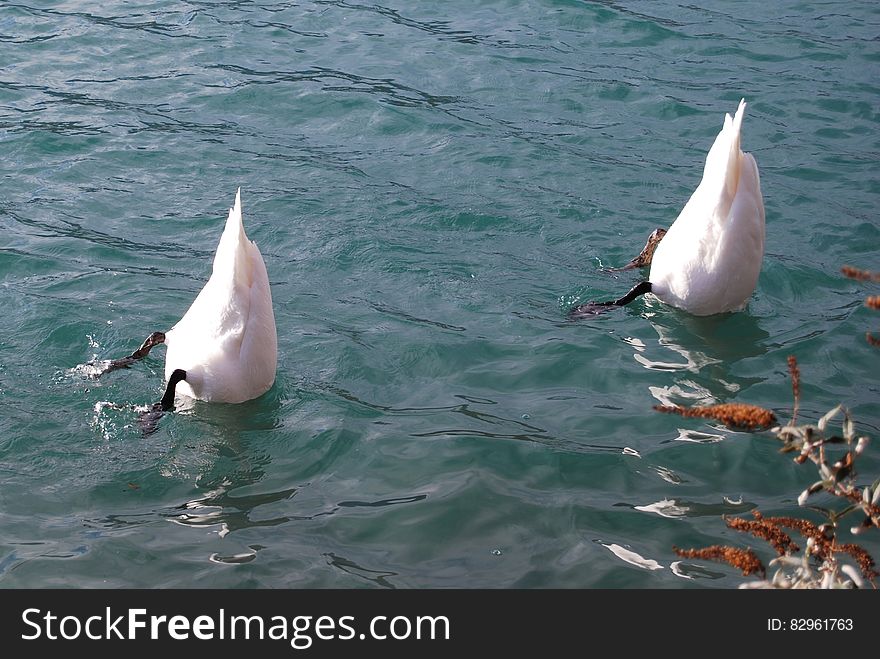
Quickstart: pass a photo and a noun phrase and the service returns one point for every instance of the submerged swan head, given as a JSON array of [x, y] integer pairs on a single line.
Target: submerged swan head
[[226, 342]]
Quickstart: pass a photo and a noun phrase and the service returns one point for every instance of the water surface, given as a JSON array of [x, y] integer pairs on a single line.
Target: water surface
[[432, 185]]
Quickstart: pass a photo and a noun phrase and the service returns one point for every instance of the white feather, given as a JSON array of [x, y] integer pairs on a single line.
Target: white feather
[[226, 342]]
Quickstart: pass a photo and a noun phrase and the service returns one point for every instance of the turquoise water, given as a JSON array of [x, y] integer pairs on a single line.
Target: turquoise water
[[432, 185]]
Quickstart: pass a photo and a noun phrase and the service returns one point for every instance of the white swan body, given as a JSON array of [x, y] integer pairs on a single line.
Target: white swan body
[[709, 260], [227, 342]]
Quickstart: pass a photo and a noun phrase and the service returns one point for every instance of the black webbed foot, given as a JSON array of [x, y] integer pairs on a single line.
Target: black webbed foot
[[595, 308], [149, 419], [590, 309], [107, 366]]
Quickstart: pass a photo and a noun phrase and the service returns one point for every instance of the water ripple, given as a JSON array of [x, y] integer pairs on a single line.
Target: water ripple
[[431, 185]]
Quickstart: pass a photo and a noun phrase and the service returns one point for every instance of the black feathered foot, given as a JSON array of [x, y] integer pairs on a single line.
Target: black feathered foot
[[595, 308], [151, 342]]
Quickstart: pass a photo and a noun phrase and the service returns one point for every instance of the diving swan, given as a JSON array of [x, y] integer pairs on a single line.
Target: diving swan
[[709, 260], [225, 348]]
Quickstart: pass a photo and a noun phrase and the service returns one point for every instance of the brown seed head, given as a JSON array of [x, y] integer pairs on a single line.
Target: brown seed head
[[795, 373], [822, 548], [743, 559], [735, 415], [761, 528], [863, 558], [860, 275]]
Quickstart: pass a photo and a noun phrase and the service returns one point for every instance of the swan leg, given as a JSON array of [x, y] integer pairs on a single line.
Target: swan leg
[[595, 308], [151, 342], [149, 420]]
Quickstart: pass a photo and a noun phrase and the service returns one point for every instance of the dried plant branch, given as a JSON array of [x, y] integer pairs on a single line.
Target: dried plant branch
[[818, 566], [860, 275], [743, 559], [735, 415], [872, 509], [820, 541], [873, 301], [822, 544], [795, 373], [862, 557], [761, 528]]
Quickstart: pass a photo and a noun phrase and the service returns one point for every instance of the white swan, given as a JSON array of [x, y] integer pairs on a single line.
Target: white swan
[[226, 343], [709, 260]]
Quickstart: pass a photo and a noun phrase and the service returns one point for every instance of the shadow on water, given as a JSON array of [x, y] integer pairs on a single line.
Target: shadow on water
[[378, 577], [232, 420], [226, 452], [210, 444], [228, 513], [226, 461], [701, 353], [703, 340]]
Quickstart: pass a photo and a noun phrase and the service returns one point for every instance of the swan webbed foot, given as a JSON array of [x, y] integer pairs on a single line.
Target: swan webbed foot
[[644, 258], [149, 420], [590, 309], [596, 308], [151, 342]]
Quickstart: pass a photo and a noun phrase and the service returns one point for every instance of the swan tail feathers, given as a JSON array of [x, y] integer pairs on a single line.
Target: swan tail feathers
[[233, 257], [724, 161]]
